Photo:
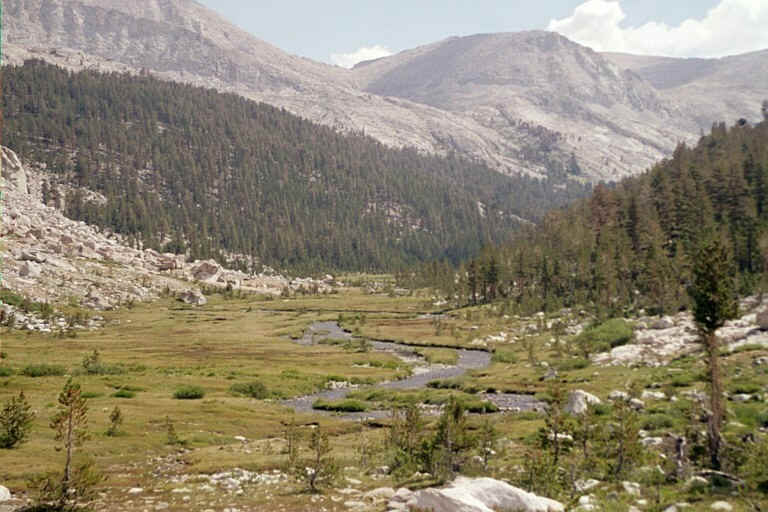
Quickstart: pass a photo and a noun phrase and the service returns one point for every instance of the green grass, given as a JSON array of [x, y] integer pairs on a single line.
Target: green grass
[[43, 370], [253, 389]]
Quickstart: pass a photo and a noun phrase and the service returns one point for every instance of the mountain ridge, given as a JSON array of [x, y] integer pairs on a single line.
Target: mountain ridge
[[573, 108]]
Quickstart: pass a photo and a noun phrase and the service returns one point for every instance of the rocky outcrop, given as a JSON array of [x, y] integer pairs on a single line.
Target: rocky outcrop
[[481, 495], [658, 341]]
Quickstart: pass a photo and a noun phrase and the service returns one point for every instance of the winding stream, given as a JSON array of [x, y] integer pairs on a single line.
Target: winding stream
[[468, 359]]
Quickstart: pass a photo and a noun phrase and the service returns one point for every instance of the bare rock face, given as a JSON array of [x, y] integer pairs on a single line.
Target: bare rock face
[[13, 172], [481, 495]]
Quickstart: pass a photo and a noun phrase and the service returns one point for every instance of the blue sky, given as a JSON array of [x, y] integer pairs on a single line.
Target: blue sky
[[332, 30]]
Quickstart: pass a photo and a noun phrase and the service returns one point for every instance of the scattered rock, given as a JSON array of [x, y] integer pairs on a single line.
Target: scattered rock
[[721, 505], [663, 323], [760, 361], [481, 495], [578, 401], [5, 494]]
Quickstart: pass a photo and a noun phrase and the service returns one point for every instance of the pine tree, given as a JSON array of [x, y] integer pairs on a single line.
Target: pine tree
[[15, 421], [714, 302]]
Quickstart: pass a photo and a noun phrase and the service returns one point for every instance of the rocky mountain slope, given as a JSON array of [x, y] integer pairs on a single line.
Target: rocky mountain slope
[[531, 103], [49, 258]]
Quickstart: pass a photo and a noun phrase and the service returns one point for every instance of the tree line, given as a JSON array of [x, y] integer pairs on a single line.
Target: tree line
[[630, 246]]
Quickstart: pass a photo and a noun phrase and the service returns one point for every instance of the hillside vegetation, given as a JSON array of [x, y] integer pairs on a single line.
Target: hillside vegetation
[[629, 247], [190, 169]]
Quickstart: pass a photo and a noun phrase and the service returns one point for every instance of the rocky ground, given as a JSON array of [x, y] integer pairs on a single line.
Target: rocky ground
[[49, 258]]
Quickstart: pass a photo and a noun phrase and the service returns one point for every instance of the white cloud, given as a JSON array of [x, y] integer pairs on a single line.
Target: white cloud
[[733, 26], [348, 60]]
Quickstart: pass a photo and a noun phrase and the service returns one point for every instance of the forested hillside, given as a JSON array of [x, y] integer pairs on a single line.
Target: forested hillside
[[190, 169], [630, 246]]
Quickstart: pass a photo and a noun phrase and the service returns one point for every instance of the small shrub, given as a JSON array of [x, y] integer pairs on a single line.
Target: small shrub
[[340, 406], [250, 389], [573, 364], [613, 333], [91, 394], [658, 422], [115, 421], [43, 370], [124, 393], [189, 393], [745, 387], [484, 407], [93, 365], [6, 371], [504, 356]]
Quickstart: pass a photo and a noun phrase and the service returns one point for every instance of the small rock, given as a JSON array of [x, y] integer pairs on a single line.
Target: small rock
[[5, 494], [741, 397], [586, 485], [721, 505], [653, 395], [135, 490], [382, 493], [402, 495], [631, 488], [616, 395], [194, 297], [663, 323], [637, 404], [760, 361]]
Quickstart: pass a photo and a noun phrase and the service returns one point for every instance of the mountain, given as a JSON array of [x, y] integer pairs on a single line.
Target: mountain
[[571, 99], [707, 89], [529, 103], [190, 170]]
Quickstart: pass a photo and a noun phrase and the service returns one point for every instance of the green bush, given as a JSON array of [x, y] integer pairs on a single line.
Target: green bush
[[613, 333], [340, 406], [6, 371], [504, 356], [745, 387], [250, 389], [445, 384], [124, 393], [189, 393], [43, 370]]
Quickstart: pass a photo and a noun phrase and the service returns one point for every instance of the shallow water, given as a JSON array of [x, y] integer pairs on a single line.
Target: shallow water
[[468, 360]]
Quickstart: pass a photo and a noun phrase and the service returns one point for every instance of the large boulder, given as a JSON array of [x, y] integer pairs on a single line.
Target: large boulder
[[481, 495], [762, 319], [206, 270], [578, 401], [194, 297], [5, 494]]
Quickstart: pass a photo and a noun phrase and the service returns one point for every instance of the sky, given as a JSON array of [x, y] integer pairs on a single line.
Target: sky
[[344, 32]]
